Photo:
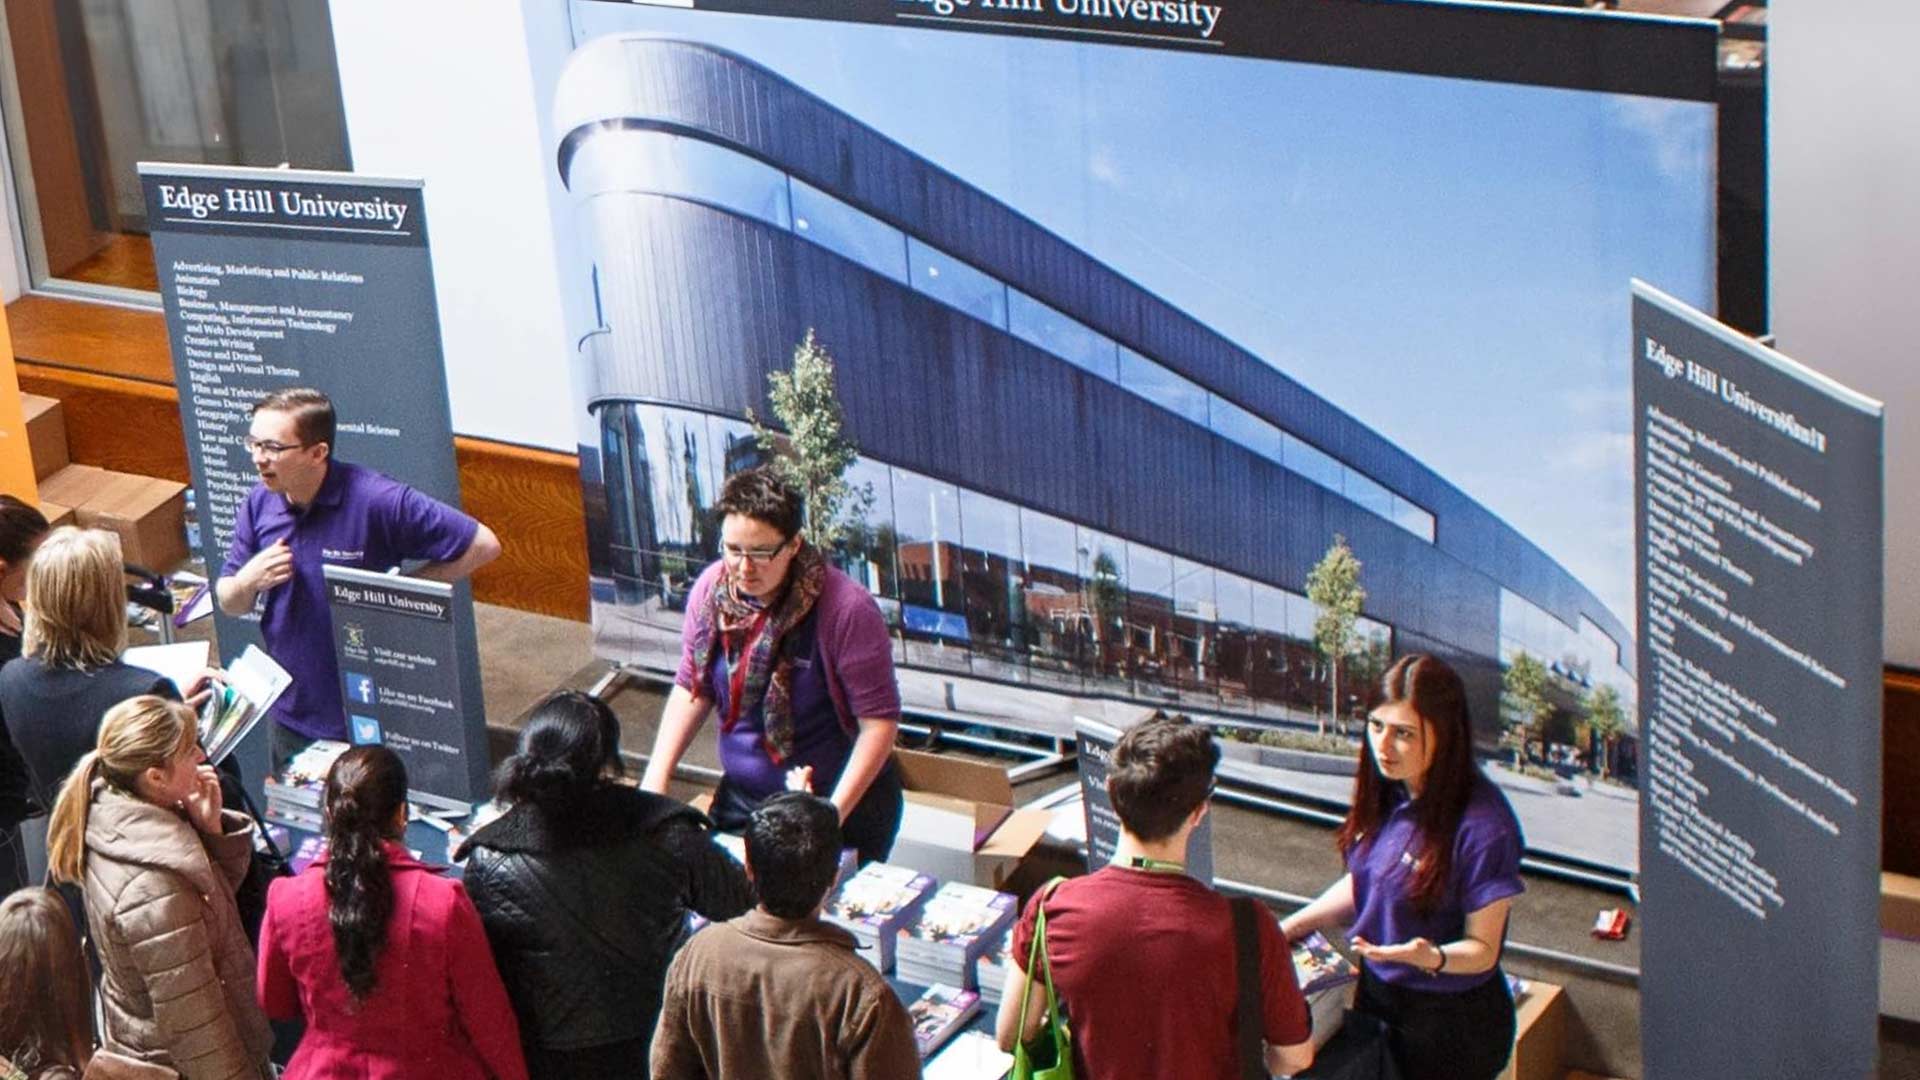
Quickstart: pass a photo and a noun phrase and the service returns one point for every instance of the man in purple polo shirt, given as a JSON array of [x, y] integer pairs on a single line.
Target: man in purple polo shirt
[[310, 510]]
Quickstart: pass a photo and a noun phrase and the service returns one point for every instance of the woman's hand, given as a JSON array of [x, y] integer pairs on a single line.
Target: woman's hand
[[203, 806], [800, 778], [203, 687], [1418, 953]]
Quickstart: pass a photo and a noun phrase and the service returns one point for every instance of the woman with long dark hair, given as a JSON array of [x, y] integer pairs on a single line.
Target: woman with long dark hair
[[584, 885], [141, 826], [382, 956], [1433, 863]]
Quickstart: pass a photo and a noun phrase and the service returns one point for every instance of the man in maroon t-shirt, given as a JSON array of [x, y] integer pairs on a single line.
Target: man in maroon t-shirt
[[1143, 956]]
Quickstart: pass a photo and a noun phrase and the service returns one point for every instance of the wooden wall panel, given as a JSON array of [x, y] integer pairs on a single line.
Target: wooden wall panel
[[103, 338], [119, 424], [531, 500], [1900, 829]]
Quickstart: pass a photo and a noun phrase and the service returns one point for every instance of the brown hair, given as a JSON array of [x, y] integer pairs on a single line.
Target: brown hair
[[311, 410], [1440, 699], [140, 733], [1162, 769], [76, 599], [21, 527], [44, 986], [761, 495]]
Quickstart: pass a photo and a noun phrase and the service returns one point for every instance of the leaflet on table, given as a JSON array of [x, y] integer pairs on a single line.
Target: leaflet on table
[[939, 1013], [252, 684], [293, 795], [972, 1055]]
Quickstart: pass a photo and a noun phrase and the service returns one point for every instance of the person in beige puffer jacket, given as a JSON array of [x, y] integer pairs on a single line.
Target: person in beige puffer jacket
[[140, 822]]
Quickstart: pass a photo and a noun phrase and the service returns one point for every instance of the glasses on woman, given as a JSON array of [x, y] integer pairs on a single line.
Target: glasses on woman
[[756, 556]]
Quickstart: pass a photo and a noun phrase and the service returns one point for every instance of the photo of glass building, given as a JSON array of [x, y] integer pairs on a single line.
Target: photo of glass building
[[1076, 487]]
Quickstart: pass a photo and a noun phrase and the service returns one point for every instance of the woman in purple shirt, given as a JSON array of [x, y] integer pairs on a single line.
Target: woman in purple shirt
[[1433, 863], [795, 659]]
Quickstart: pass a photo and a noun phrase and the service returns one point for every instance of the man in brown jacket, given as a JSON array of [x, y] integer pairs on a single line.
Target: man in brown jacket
[[776, 992]]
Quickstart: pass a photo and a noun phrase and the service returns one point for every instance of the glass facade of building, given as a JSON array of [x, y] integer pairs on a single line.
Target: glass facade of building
[[980, 586]]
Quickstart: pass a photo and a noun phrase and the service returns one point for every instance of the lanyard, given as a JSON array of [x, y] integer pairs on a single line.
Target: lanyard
[[1156, 866], [737, 674]]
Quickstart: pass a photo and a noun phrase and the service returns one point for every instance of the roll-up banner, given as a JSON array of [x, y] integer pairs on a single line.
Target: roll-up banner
[[1758, 511], [1094, 743], [400, 664], [276, 278]]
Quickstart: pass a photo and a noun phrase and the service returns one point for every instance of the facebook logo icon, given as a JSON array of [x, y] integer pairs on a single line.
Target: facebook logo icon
[[366, 731], [360, 688]]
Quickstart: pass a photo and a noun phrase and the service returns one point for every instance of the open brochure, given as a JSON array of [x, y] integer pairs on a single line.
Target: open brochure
[[253, 683]]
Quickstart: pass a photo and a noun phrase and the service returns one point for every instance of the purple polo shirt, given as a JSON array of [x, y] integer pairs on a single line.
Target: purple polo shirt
[[1486, 868], [358, 518], [842, 658]]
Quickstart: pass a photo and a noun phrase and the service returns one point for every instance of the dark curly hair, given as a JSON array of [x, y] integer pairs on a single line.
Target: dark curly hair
[[366, 788]]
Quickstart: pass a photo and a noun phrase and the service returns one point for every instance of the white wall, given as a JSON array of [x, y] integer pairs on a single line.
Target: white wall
[[1845, 144], [445, 90]]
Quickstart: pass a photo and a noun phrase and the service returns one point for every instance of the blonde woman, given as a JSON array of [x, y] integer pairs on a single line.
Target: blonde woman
[[140, 824], [53, 696]]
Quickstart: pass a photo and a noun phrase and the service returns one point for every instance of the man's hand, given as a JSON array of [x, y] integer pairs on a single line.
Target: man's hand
[[270, 566]]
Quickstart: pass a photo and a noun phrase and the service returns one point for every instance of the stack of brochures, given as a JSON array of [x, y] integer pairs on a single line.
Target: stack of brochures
[[875, 903], [990, 971], [972, 1055], [295, 794], [952, 931], [939, 1014]]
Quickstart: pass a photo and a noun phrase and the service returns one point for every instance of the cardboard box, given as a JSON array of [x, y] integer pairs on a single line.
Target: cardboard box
[[1540, 1035], [148, 514], [56, 514], [1900, 905], [72, 486], [959, 823], [1900, 946], [46, 434]]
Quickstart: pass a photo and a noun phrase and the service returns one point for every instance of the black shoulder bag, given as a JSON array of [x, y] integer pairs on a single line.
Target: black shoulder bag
[[1248, 1026]]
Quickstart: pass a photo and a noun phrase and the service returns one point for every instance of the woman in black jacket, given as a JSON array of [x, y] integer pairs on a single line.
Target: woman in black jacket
[[584, 886]]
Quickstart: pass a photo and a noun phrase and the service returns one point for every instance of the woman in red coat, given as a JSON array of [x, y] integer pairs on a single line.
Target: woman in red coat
[[384, 958]]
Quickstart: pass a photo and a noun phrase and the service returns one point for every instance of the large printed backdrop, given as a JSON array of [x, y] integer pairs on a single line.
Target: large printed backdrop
[[1128, 337]]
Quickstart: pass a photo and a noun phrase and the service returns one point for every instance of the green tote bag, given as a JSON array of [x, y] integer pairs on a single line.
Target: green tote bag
[[1050, 1055]]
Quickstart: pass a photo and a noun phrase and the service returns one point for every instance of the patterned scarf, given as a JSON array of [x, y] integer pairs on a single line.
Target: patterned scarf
[[728, 618]]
